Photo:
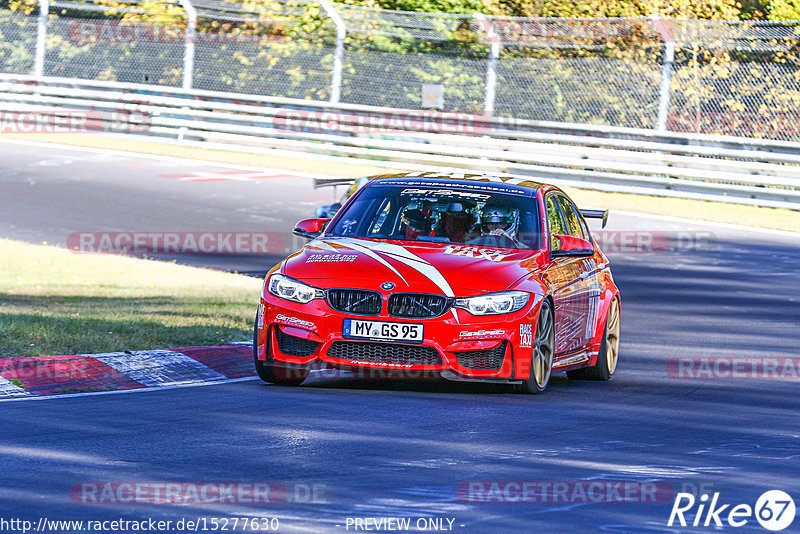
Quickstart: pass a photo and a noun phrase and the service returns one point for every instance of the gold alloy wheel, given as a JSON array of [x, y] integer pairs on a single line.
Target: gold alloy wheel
[[542, 362], [612, 337]]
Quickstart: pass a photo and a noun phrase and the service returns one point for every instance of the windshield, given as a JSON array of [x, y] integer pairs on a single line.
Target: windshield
[[442, 213]]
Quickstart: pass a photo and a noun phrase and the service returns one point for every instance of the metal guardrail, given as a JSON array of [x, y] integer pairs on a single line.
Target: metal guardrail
[[628, 160]]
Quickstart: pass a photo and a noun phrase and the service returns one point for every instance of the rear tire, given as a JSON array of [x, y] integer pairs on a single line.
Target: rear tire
[[608, 356], [543, 350], [292, 375]]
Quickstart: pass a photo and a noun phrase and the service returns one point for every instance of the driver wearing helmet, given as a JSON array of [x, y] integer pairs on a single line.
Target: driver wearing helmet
[[499, 220], [416, 224]]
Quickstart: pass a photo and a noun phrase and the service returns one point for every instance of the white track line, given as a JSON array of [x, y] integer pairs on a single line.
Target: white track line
[[120, 391]]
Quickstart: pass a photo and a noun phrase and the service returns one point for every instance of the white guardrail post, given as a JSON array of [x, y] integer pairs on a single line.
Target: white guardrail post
[[491, 68], [665, 29], [41, 35], [338, 53], [188, 52], [189, 40]]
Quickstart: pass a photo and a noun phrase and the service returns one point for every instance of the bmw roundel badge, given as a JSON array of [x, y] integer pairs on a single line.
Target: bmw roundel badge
[[387, 286]]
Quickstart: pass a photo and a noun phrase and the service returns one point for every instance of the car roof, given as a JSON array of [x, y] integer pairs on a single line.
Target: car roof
[[519, 186]]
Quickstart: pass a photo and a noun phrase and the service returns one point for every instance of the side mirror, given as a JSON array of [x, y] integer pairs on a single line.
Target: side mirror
[[310, 228], [566, 245]]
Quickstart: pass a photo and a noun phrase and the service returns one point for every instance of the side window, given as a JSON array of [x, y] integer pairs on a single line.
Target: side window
[[554, 221], [584, 226], [570, 217]]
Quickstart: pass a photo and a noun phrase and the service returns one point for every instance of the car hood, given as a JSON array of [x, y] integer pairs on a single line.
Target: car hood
[[440, 268]]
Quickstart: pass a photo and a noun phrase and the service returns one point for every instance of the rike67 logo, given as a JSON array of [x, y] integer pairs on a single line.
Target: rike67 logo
[[774, 510]]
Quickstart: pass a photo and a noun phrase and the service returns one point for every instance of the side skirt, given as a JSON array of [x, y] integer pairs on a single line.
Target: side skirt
[[570, 361]]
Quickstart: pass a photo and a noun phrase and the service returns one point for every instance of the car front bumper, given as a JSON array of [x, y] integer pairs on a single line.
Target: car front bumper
[[457, 345]]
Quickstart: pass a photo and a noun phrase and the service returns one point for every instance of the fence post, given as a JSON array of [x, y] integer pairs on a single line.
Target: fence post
[[665, 29], [491, 68], [666, 82], [189, 39], [41, 34], [338, 53]]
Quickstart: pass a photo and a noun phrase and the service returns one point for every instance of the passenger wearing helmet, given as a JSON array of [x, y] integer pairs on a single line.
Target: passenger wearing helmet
[[499, 220], [416, 223], [456, 222]]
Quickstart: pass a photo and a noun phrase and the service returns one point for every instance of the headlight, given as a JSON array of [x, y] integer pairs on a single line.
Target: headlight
[[289, 289], [494, 303]]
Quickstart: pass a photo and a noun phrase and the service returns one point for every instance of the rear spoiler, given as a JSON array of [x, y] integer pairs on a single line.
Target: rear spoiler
[[332, 182], [596, 214]]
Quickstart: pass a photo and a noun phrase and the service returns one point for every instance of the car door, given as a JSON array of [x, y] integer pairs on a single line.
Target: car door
[[589, 284], [565, 275]]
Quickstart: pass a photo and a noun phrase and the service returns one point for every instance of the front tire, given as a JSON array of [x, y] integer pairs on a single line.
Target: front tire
[[543, 350], [608, 356], [279, 375]]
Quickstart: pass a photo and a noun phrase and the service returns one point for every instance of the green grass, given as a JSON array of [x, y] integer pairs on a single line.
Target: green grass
[[53, 302]]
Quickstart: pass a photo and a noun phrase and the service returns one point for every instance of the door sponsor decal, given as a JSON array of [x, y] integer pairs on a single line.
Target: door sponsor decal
[[526, 335]]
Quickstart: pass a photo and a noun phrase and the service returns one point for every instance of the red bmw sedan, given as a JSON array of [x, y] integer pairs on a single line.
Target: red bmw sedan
[[468, 277]]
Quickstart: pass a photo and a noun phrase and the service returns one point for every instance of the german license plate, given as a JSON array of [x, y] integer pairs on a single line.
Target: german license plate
[[382, 331]]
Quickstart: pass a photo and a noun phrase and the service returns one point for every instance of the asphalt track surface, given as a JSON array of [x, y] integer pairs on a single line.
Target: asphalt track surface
[[402, 449]]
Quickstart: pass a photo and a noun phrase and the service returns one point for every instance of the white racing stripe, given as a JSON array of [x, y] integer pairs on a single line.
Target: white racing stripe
[[323, 245], [424, 267], [353, 244], [402, 255]]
